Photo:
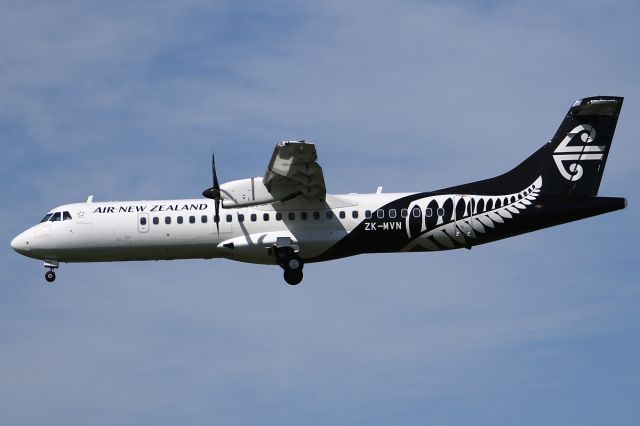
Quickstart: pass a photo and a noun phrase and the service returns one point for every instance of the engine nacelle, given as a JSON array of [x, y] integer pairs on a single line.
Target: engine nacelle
[[245, 192]]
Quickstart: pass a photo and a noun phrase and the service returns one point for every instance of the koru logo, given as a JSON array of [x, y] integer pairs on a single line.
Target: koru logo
[[577, 153]]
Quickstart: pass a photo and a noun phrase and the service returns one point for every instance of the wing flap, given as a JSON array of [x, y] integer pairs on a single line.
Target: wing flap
[[293, 171]]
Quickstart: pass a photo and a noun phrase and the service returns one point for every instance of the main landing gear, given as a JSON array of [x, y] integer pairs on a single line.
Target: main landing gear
[[50, 276], [292, 264]]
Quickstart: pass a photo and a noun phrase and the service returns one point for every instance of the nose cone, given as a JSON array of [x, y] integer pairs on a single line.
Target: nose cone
[[20, 243]]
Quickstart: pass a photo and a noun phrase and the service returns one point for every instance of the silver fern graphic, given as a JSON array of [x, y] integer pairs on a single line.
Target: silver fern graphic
[[469, 216]]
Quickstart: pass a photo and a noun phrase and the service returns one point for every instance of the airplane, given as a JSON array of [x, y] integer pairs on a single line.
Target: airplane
[[287, 218]]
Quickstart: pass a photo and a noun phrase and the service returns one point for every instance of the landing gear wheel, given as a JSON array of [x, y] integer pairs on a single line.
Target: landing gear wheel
[[293, 277], [294, 263], [50, 276], [291, 262]]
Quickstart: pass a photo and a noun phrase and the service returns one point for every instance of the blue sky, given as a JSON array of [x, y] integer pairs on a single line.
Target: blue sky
[[125, 102]]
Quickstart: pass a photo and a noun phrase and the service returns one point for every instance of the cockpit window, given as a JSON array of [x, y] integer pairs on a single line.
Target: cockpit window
[[56, 217], [46, 218], [66, 216]]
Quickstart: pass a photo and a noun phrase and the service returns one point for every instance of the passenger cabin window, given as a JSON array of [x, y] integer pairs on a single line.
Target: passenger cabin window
[[143, 220], [354, 214], [240, 217], [192, 219], [380, 214], [342, 215], [253, 217], [292, 216], [167, 220], [404, 212], [180, 220], [428, 212], [46, 218], [316, 215], [265, 217], [392, 213], [66, 216], [229, 218], [329, 214], [278, 216], [56, 217], [416, 212], [203, 218], [156, 221], [440, 211], [367, 214], [303, 215]]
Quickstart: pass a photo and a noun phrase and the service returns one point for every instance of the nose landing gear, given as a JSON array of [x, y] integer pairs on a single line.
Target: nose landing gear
[[50, 276]]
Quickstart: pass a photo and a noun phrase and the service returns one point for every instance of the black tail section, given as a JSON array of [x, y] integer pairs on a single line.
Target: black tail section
[[572, 162], [581, 146]]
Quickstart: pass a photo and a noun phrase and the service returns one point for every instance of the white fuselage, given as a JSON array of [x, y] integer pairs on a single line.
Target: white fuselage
[[185, 229]]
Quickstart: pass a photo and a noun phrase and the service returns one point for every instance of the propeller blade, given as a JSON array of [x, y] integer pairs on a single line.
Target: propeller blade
[[216, 184], [214, 192], [216, 217]]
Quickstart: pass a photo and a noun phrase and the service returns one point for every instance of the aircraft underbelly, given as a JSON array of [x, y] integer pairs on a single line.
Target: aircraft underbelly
[[112, 254], [258, 247]]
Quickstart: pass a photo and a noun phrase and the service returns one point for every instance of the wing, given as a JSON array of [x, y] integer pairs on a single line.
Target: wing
[[293, 171]]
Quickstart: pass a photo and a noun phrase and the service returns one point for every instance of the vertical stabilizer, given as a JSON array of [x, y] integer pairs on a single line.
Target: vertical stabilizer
[[572, 162], [581, 146]]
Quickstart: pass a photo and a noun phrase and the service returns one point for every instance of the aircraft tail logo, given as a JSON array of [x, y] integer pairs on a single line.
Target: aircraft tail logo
[[577, 153]]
